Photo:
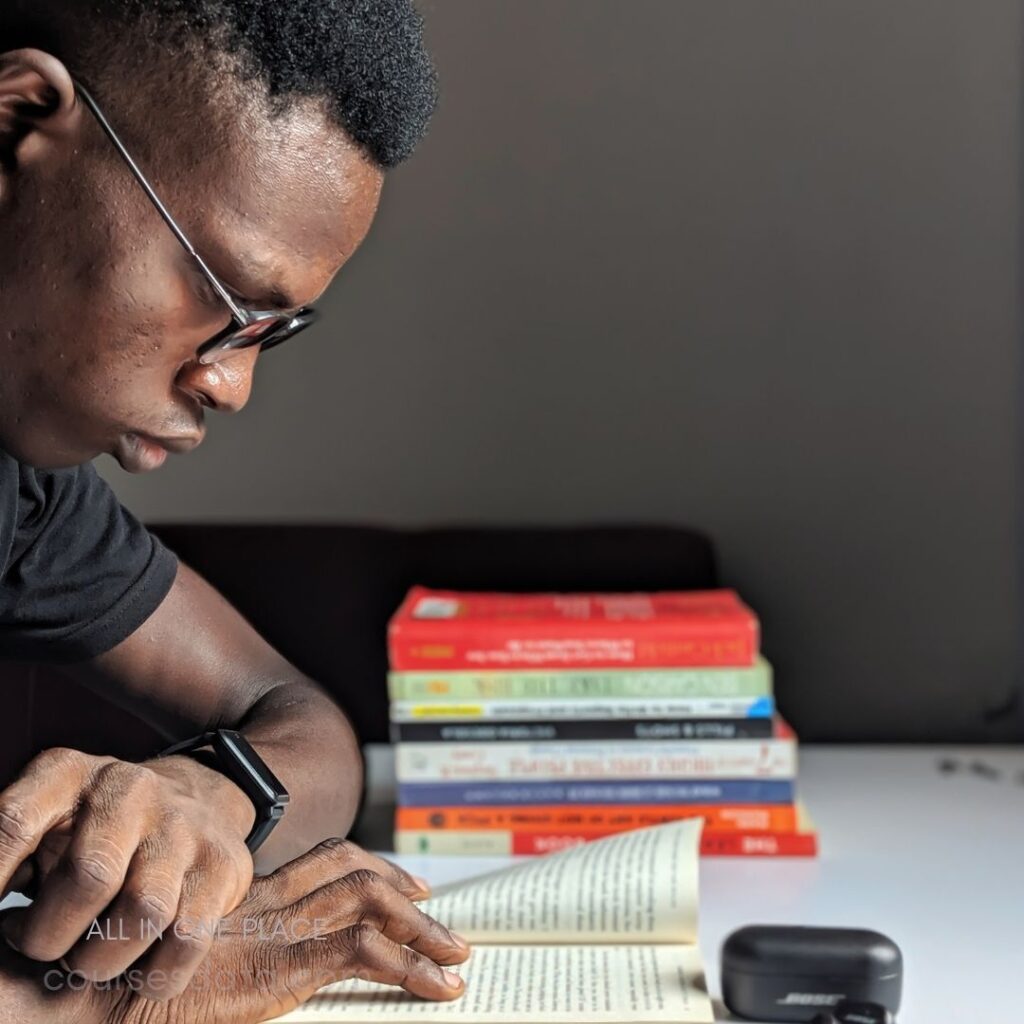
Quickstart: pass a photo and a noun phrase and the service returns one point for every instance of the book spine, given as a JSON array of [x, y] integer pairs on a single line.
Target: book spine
[[734, 646], [499, 843], [526, 710], [453, 844], [595, 759], [631, 791], [755, 681], [608, 729], [764, 844], [737, 817]]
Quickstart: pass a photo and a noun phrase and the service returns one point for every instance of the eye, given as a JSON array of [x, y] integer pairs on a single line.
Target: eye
[[205, 291]]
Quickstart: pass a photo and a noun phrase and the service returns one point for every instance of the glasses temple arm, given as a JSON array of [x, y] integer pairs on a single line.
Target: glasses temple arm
[[155, 200]]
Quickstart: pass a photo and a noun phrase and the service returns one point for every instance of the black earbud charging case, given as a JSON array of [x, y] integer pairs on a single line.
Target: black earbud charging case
[[783, 973]]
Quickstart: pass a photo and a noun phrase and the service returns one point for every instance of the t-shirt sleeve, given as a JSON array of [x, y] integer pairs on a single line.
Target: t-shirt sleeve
[[83, 572]]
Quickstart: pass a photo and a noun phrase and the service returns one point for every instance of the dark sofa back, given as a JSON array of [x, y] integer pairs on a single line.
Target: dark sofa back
[[323, 594]]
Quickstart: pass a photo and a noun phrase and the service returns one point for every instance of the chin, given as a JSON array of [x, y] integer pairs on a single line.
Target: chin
[[133, 469], [137, 455]]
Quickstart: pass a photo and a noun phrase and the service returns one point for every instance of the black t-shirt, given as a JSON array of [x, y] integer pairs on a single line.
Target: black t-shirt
[[78, 573]]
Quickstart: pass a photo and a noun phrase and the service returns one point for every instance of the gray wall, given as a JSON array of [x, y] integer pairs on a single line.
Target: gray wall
[[751, 266]]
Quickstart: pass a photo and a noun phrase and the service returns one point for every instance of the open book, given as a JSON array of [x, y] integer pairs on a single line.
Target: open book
[[602, 932]]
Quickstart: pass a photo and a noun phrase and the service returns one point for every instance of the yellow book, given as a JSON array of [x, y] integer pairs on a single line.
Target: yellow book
[[603, 933]]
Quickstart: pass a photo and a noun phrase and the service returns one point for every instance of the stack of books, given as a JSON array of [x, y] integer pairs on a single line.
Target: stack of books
[[524, 724]]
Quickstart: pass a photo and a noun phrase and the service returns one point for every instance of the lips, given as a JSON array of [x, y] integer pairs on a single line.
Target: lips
[[178, 445], [140, 453]]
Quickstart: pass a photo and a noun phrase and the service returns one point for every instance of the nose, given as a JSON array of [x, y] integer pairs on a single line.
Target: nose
[[224, 386]]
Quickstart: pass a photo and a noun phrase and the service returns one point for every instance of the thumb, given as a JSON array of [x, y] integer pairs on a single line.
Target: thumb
[[11, 926]]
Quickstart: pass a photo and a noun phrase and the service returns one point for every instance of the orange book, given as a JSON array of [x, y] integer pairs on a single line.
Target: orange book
[[598, 817]]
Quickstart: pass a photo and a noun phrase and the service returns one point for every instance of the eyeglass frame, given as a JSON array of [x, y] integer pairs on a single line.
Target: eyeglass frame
[[232, 339]]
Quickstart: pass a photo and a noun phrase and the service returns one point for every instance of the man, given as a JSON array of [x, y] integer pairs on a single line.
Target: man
[[179, 181]]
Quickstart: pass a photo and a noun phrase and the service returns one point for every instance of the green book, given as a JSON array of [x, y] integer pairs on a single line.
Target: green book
[[544, 684]]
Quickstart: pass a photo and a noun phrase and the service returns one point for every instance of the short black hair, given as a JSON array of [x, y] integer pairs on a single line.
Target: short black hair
[[366, 59]]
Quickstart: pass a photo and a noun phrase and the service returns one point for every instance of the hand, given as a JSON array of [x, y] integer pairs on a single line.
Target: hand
[[333, 914], [122, 854]]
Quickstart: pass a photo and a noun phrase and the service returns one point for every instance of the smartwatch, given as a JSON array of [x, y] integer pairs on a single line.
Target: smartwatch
[[249, 771]]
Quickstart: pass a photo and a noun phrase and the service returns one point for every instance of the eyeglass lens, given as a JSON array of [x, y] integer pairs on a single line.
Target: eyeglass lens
[[266, 332]]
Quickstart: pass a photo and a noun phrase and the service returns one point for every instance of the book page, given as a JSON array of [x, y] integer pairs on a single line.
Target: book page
[[534, 984], [640, 886]]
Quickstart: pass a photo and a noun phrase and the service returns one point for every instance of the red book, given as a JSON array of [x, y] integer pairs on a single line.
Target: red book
[[436, 629], [713, 843], [759, 844]]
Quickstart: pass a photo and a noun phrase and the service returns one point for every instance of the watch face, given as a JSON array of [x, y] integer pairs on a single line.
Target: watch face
[[236, 757], [255, 769], [248, 769]]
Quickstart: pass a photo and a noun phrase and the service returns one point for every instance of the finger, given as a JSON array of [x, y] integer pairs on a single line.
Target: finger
[[167, 969], [141, 913], [332, 859], [34, 871], [109, 827], [45, 793], [52, 849], [366, 896], [363, 952]]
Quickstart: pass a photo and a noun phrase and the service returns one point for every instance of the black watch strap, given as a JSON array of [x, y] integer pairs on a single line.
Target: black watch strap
[[249, 772]]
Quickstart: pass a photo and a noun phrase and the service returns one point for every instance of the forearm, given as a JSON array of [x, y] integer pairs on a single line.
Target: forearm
[[304, 738], [196, 665], [309, 745]]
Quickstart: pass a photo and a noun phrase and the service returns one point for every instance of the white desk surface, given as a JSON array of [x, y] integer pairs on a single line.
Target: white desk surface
[[933, 860]]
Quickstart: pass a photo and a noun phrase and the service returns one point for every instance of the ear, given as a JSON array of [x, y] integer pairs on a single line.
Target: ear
[[37, 104]]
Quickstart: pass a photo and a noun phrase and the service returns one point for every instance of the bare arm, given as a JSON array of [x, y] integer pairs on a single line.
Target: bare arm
[[155, 852], [196, 664]]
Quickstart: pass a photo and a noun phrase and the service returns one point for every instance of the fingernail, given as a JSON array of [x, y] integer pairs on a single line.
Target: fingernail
[[452, 980], [422, 883], [65, 965], [459, 940]]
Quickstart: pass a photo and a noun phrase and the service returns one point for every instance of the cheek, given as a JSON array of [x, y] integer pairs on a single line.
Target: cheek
[[142, 299], [138, 324], [117, 362]]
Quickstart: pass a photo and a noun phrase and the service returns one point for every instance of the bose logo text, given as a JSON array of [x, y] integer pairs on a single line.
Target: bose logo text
[[810, 999]]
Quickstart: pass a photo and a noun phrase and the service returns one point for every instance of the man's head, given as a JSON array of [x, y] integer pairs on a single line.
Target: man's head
[[265, 127]]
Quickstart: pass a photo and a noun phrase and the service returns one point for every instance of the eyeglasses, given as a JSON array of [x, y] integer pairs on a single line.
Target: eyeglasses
[[248, 327]]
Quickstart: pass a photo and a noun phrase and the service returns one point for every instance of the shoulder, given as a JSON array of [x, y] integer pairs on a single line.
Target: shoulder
[[46, 495], [78, 572]]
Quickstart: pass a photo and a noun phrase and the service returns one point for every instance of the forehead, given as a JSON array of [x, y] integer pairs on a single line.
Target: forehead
[[284, 207]]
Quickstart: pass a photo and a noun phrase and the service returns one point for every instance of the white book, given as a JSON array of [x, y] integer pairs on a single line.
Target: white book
[[597, 759], [610, 708], [605, 932]]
